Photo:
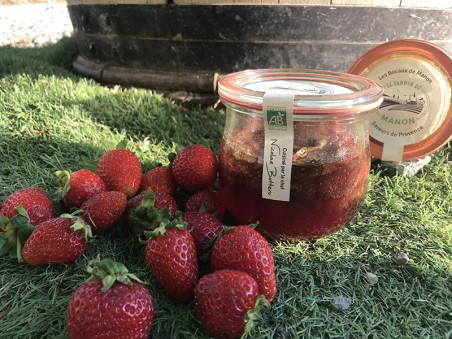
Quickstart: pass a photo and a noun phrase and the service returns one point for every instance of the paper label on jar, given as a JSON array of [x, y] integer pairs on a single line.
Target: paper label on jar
[[278, 122], [416, 102]]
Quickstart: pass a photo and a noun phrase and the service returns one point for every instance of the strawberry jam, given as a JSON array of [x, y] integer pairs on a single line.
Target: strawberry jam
[[329, 179], [295, 152]]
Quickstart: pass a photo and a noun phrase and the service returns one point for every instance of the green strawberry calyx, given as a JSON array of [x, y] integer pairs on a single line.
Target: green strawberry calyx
[[110, 271], [64, 177], [159, 231], [15, 231], [227, 229], [209, 245], [171, 156], [251, 315], [109, 146], [203, 208], [122, 144], [78, 224], [146, 217]]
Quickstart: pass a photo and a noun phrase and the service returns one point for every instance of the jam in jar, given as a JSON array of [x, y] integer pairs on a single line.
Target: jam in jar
[[329, 155]]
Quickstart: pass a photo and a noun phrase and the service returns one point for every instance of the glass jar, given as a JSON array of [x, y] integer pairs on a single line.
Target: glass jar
[[330, 160]]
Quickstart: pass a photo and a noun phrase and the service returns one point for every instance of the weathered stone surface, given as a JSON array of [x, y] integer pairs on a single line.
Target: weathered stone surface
[[32, 25]]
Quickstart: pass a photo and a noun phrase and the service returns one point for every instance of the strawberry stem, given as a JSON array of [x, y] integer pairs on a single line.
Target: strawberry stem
[[159, 231], [146, 217], [65, 177], [15, 232], [79, 224], [109, 272], [18, 250], [251, 315]]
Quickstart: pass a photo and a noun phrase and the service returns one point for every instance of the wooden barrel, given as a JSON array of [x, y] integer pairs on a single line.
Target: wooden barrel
[[186, 45]]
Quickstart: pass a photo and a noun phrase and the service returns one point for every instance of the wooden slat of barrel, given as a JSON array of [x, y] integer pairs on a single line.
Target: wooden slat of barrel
[[253, 2], [174, 47], [363, 3], [115, 2]]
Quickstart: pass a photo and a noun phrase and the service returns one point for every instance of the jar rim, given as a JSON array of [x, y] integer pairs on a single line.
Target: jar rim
[[316, 91]]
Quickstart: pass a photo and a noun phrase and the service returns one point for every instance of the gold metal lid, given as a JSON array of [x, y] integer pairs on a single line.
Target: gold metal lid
[[415, 118]]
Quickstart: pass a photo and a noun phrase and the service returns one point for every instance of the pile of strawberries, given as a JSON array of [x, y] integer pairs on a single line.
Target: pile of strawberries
[[241, 275]]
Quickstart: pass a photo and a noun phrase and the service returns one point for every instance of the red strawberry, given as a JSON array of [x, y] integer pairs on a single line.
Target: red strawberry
[[77, 187], [155, 208], [203, 227], [225, 302], [195, 168], [60, 240], [34, 200], [112, 304], [171, 256], [244, 249], [120, 169], [159, 179], [208, 200], [102, 211]]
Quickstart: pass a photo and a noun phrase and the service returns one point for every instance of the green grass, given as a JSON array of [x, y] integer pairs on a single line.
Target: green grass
[[52, 119]]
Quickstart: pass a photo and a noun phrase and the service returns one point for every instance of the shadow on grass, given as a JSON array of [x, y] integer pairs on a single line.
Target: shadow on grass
[[143, 113], [140, 113], [32, 160], [53, 59]]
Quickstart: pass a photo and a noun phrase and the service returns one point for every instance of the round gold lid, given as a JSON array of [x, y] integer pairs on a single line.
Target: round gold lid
[[415, 118]]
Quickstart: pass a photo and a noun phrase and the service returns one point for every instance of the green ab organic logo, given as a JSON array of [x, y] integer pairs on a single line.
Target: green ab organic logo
[[276, 119]]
